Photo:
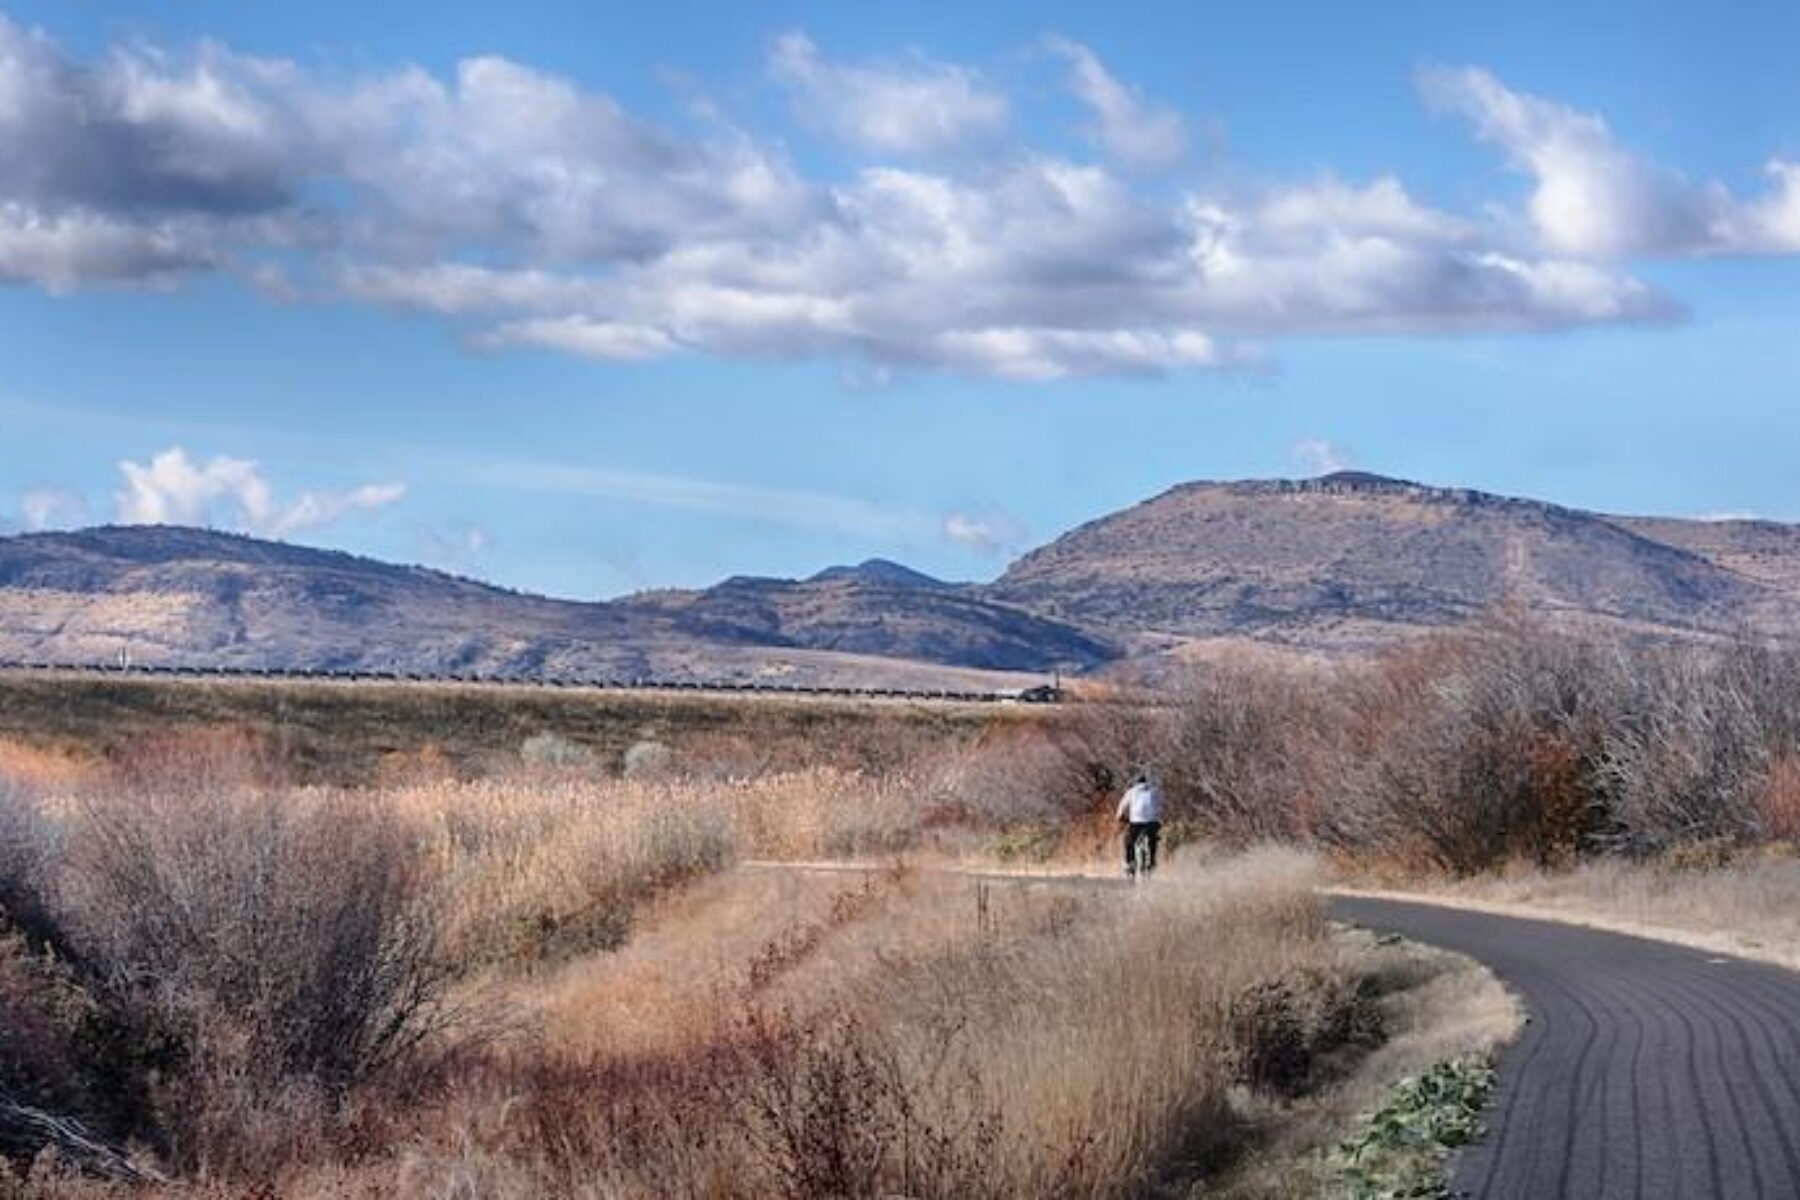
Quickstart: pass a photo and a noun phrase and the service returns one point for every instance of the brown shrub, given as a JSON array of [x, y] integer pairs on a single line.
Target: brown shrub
[[1778, 805], [257, 956]]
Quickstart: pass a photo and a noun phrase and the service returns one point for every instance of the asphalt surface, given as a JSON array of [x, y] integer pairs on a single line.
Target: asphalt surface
[[1646, 1069]]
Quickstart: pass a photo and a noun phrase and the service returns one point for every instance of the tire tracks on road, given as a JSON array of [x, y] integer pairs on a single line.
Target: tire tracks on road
[[1648, 1069]]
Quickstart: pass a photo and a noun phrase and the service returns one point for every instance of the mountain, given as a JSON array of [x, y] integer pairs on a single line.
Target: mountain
[[176, 596], [1338, 564], [880, 571], [1766, 551], [1353, 559], [878, 608]]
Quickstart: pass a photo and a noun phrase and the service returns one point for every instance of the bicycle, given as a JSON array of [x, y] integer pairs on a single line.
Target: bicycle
[[1142, 863]]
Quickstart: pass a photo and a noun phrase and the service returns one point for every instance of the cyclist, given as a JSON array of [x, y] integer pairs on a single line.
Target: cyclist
[[1140, 811]]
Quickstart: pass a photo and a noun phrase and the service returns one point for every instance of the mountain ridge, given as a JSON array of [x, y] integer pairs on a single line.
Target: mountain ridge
[[1341, 563], [1354, 559]]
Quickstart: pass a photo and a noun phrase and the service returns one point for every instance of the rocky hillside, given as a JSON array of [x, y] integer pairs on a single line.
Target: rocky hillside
[[1352, 559], [1341, 563], [877, 608], [1765, 551], [191, 597]]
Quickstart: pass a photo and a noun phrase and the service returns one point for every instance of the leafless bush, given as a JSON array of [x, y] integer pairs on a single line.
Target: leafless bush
[[301, 919], [1707, 751], [1242, 758], [1484, 748], [1504, 742], [42, 1011], [553, 750], [255, 956], [27, 845]]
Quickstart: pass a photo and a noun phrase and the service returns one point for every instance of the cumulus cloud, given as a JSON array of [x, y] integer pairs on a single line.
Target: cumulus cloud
[[1319, 456], [51, 508], [527, 210], [1593, 197], [984, 533], [1136, 132], [61, 252], [1040, 269], [913, 106], [174, 489]]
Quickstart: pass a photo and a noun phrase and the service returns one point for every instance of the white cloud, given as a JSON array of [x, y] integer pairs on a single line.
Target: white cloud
[[314, 510], [1135, 132], [527, 210], [914, 106], [1041, 269], [984, 533], [51, 508], [1319, 456], [174, 489], [608, 340], [61, 252], [1594, 197], [1036, 355]]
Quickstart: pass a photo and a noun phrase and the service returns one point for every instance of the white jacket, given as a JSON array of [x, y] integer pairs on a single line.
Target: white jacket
[[1141, 803]]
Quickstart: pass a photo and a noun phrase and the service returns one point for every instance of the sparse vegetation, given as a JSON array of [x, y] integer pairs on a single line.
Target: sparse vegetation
[[660, 961], [347, 734], [1402, 1147], [555, 981], [1506, 743]]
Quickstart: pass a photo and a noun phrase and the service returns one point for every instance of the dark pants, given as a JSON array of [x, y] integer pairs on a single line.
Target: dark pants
[[1151, 830]]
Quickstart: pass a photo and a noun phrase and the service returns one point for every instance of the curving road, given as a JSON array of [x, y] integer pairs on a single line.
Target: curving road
[[1647, 1069]]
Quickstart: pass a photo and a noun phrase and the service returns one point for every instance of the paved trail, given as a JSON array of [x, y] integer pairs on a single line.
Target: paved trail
[[1647, 1069]]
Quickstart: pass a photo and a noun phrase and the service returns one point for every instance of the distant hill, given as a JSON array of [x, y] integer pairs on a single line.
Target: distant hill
[[1338, 564], [178, 596], [1765, 551], [881, 609], [879, 571], [1354, 559]]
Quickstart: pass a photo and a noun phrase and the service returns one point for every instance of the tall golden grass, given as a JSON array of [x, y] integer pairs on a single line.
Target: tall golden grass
[[903, 1033], [560, 983]]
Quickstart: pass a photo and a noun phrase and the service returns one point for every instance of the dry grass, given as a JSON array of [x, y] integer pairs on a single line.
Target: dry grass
[[1749, 906], [557, 980], [1436, 1007], [41, 768], [342, 733], [906, 1033]]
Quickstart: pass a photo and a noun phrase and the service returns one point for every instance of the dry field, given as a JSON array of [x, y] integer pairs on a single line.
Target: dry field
[[559, 980], [344, 733]]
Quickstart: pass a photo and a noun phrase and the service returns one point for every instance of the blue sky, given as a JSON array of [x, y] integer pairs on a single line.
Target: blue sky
[[585, 298]]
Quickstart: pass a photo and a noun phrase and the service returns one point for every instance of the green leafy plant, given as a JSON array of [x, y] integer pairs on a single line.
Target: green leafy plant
[[1403, 1148]]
